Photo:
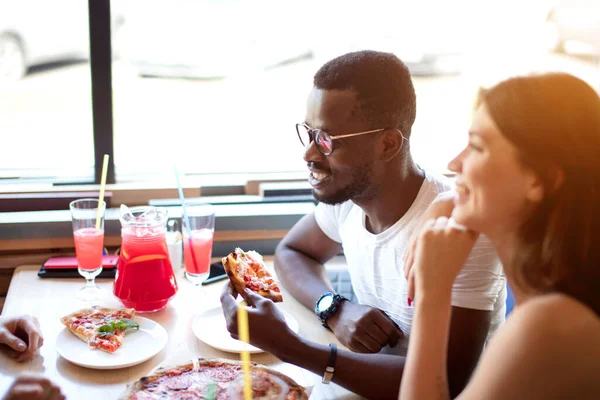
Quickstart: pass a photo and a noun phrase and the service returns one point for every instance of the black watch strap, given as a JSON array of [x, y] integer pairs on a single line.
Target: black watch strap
[[331, 310]]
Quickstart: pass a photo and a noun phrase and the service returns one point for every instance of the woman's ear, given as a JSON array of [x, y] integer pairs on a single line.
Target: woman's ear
[[392, 142], [537, 189], [534, 186]]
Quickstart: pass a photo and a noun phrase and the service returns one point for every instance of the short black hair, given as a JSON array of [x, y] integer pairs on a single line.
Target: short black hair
[[385, 93]]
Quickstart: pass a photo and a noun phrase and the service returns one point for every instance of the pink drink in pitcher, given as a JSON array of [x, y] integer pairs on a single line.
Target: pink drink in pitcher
[[145, 279], [201, 242], [89, 243]]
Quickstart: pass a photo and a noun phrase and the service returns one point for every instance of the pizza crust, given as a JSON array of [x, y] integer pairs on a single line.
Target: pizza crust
[[295, 391], [231, 268]]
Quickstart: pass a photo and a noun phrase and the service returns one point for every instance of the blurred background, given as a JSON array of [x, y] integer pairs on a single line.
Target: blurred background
[[193, 76]]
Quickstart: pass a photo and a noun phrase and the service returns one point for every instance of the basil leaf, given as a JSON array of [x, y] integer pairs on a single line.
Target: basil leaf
[[211, 391], [106, 329], [120, 325], [129, 323]]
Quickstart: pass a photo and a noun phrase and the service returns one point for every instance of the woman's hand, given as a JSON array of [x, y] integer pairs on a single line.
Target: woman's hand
[[442, 249], [442, 206]]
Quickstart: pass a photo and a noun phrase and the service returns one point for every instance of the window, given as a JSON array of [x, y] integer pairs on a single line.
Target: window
[[212, 74], [45, 95], [191, 78]]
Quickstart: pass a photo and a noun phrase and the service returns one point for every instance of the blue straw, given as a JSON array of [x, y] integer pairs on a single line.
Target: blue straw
[[186, 220]]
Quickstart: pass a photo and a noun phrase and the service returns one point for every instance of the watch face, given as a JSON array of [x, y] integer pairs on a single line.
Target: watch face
[[325, 303]]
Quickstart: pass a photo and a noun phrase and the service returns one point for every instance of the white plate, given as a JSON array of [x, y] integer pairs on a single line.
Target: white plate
[[139, 346], [211, 328]]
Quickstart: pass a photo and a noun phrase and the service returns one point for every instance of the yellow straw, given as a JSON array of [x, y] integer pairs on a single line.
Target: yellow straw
[[102, 184], [244, 355]]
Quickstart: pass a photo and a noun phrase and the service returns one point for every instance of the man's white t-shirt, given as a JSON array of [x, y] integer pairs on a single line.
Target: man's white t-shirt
[[377, 269]]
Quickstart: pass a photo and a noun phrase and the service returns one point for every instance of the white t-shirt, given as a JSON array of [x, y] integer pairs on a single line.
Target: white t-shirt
[[377, 269]]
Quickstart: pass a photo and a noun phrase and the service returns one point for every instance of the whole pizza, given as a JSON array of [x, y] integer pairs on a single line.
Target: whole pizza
[[213, 379]]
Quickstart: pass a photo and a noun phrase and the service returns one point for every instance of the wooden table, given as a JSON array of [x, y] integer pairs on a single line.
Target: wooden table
[[49, 299]]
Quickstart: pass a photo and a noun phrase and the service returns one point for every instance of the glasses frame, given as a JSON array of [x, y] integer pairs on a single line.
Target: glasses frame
[[313, 134]]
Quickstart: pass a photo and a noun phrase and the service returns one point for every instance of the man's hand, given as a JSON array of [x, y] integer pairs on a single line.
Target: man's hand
[[33, 388], [20, 337], [363, 329], [267, 326]]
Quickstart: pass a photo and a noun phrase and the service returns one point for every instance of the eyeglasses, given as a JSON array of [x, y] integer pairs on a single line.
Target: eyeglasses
[[322, 139]]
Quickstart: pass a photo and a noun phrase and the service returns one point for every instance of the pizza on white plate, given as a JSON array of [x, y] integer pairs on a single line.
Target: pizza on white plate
[[101, 328]]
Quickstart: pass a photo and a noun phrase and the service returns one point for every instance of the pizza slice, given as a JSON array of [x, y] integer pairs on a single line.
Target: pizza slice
[[247, 270], [101, 328]]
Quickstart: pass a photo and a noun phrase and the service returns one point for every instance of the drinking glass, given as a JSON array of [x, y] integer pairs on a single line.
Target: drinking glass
[[89, 244], [197, 244]]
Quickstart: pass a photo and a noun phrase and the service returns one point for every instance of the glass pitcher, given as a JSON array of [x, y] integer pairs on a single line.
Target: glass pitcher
[[144, 279]]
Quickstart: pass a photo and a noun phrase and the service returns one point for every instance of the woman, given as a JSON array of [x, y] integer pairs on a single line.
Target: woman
[[529, 179]]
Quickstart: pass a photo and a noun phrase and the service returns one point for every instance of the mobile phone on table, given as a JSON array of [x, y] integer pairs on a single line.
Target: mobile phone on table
[[217, 273]]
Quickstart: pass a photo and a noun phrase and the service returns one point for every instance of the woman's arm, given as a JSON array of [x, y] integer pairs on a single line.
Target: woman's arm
[[425, 375], [441, 251], [442, 206]]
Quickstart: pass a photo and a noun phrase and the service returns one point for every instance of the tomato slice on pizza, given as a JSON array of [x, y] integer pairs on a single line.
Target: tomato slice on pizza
[[246, 269], [101, 328]]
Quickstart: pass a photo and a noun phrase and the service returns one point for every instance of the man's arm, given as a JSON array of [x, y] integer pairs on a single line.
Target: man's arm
[[375, 376], [299, 260], [468, 332]]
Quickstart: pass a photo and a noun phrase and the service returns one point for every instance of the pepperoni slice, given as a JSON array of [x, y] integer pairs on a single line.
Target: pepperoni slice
[[222, 374], [185, 396], [179, 382]]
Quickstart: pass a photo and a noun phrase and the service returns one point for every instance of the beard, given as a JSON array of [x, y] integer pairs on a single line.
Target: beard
[[361, 188]]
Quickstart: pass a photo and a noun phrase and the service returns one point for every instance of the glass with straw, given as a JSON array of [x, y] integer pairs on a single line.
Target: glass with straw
[[87, 216], [199, 227]]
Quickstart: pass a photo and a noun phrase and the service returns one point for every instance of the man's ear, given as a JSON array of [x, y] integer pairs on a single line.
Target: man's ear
[[392, 142]]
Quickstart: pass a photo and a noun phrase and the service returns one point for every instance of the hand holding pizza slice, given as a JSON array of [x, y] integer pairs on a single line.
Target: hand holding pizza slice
[[247, 270]]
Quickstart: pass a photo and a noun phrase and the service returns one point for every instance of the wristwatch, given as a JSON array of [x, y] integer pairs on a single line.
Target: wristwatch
[[327, 305]]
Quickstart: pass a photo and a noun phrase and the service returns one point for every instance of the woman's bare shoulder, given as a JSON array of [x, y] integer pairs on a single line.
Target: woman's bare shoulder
[[553, 341], [556, 325], [560, 314]]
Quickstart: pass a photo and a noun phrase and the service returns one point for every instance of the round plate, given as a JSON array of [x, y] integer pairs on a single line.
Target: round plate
[[211, 328], [139, 346]]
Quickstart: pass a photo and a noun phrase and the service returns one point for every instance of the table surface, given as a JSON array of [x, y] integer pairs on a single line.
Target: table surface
[[49, 299]]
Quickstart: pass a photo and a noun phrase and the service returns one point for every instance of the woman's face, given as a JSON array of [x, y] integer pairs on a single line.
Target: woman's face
[[493, 187]]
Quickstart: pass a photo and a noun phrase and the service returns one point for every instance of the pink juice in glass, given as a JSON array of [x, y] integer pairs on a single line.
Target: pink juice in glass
[[89, 243], [201, 241]]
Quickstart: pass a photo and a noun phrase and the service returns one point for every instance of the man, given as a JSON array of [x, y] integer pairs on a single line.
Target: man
[[372, 194]]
